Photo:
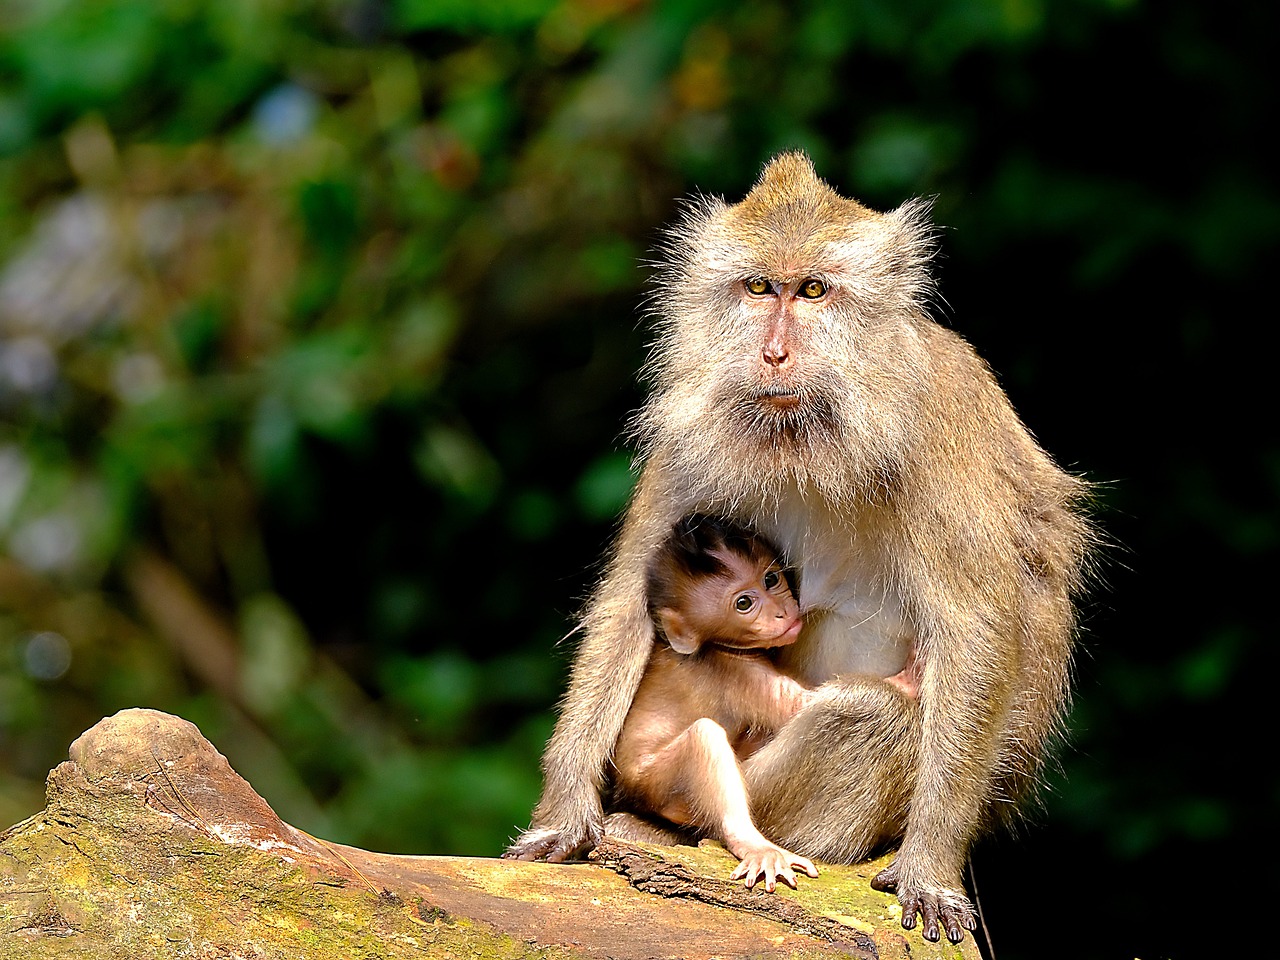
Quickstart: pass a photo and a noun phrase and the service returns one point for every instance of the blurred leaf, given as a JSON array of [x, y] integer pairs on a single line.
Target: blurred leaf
[[534, 515], [609, 265], [197, 331], [898, 155], [329, 210], [1203, 818], [436, 691], [158, 434], [275, 449], [324, 380], [275, 652], [457, 463], [89, 57], [402, 606], [420, 339], [603, 489], [467, 16], [1205, 673]]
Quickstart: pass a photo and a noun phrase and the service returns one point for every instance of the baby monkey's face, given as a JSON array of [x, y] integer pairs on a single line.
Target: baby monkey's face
[[752, 606]]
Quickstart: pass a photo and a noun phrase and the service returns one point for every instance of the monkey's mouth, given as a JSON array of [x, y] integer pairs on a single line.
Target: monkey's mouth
[[789, 635], [784, 413], [779, 397]]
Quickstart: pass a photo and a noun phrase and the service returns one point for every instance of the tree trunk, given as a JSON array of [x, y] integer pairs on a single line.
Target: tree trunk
[[150, 845]]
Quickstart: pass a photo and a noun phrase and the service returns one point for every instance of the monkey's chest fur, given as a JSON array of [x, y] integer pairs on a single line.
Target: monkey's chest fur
[[854, 620]]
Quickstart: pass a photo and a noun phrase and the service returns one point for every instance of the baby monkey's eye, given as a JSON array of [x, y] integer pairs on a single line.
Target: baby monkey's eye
[[757, 286], [771, 579], [812, 289], [744, 603]]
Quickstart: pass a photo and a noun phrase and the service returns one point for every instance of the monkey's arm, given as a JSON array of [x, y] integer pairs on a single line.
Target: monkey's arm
[[952, 787], [991, 639], [617, 637], [760, 704], [787, 697]]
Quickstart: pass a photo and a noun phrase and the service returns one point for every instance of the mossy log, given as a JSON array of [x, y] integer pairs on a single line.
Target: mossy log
[[150, 845]]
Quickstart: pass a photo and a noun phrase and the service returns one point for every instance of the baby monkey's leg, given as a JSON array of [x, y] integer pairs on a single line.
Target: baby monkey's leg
[[696, 781]]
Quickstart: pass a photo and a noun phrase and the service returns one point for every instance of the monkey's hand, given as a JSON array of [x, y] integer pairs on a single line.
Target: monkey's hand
[[554, 844], [945, 905], [770, 863]]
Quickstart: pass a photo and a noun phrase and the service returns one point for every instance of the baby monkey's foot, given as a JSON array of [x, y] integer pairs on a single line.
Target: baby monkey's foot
[[770, 863]]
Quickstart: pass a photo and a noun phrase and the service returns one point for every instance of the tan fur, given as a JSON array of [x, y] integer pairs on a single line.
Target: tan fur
[[677, 758], [918, 510]]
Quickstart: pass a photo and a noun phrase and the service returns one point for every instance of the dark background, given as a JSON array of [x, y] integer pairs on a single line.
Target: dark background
[[319, 324]]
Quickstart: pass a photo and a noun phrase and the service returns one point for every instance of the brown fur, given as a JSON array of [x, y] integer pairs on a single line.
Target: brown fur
[[920, 514]]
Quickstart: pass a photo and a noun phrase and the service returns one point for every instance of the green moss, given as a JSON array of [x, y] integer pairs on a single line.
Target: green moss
[[65, 893]]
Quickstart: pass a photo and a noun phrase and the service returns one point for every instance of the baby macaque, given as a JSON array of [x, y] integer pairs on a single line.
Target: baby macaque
[[712, 694]]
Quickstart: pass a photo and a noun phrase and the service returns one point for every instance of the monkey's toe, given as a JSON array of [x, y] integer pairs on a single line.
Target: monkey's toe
[[534, 848], [938, 908], [886, 881], [554, 846]]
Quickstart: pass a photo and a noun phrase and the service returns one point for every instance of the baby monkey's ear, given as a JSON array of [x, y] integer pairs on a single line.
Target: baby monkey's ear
[[676, 629]]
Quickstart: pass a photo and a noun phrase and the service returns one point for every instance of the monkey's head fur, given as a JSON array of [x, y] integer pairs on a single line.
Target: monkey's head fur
[[758, 386]]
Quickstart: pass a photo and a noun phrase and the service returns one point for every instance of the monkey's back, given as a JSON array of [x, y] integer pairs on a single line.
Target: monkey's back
[[993, 507]]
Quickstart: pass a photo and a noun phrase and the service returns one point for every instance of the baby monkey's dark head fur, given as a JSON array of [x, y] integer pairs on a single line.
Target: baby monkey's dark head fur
[[692, 550]]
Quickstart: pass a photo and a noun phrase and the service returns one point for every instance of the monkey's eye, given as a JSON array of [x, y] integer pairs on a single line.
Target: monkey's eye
[[812, 289], [744, 603], [757, 286], [771, 579]]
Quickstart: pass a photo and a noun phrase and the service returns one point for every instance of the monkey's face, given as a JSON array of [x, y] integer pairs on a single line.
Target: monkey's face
[[751, 607], [794, 380], [786, 330]]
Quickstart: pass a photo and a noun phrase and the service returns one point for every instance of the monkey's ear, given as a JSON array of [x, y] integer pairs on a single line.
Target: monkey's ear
[[677, 631]]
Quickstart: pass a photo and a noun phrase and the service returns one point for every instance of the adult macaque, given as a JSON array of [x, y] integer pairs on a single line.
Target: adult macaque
[[711, 694], [799, 384]]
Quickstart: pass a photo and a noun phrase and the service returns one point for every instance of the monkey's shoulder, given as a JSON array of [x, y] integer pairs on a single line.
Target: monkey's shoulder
[[956, 370], [969, 436]]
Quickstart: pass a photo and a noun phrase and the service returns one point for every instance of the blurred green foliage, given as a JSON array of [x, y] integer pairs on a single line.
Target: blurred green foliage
[[318, 331]]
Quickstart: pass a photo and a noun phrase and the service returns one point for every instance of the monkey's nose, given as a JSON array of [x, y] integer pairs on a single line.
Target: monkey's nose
[[776, 355]]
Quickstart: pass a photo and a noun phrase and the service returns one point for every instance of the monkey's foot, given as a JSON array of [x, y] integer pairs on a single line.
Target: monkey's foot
[[770, 863], [555, 845], [935, 905]]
